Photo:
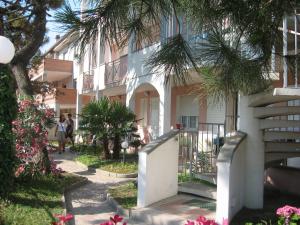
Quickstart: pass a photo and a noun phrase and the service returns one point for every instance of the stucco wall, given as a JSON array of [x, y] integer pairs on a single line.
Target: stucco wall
[[231, 177], [154, 170]]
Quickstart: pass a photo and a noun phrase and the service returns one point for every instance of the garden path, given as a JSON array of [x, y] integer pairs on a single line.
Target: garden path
[[87, 203]]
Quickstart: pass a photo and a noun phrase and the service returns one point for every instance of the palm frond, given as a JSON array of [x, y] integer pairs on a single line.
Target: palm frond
[[175, 58]]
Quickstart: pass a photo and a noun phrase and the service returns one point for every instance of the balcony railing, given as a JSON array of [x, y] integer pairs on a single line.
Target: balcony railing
[[87, 82], [51, 67], [115, 71], [60, 96]]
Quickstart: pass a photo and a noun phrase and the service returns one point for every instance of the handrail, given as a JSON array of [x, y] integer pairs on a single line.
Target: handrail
[[149, 148], [232, 143], [116, 70], [87, 81]]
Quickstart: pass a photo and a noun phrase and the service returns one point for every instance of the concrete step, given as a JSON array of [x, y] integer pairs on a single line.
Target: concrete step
[[282, 147], [175, 210], [264, 112], [274, 96], [198, 189], [272, 156], [279, 135], [268, 124]]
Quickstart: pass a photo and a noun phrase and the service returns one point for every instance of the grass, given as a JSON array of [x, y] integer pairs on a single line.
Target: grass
[[35, 201], [108, 165], [125, 195], [186, 178], [55, 143]]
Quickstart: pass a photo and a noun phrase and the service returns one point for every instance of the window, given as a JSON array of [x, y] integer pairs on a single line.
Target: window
[[189, 122]]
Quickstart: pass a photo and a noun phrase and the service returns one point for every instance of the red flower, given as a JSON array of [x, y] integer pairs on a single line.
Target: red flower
[[116, 219], [64, 218], [190, 222]]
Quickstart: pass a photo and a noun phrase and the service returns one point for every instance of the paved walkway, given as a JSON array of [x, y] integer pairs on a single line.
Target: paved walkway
[[89, 206], [87, 203]]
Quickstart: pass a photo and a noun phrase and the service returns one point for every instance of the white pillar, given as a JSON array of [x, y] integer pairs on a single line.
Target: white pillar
[[285, 48], [223, 192], [165, 109], [57, 109], [254, 154], [130, 100], [296, 48], [99, 95], [78, 109]]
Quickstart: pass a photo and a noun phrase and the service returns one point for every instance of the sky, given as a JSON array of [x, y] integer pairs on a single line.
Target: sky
[[53, 28]]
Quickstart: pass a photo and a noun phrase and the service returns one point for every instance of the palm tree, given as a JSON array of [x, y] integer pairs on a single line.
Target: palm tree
[[95, 119], [108, 120], [233, 56], [122, 121]]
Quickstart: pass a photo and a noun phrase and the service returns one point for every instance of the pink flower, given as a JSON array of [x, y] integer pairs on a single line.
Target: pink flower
[[190, 222], [64, 218], [298, 212], [201, 219], [107, 223], [286, 211], [116, 219], [225, 222], [20, 170], [36, 129]]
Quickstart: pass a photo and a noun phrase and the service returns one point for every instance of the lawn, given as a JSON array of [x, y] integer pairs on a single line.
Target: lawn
[[33, 202], [186, 178], [125, 195], [108, 165]]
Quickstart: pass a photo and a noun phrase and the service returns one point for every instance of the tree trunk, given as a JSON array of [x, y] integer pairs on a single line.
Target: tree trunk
[[231, 113], [117, 147], [20, 73], [105, 147]]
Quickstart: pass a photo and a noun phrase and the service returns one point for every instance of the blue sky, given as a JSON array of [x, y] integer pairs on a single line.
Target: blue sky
[[53, 28]]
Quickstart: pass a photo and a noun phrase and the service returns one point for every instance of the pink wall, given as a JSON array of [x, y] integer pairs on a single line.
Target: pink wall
[[118, 98], [138, 97]]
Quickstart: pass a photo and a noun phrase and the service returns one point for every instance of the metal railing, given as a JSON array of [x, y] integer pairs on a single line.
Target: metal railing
[[87, 81], [199, 149], [115, 71]]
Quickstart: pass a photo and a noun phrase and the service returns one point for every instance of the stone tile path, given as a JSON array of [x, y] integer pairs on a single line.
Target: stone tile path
[[89, 206], [176, 210], [87, 203]]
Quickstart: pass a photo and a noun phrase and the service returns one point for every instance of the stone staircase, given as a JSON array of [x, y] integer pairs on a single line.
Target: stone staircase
[[280, 134]]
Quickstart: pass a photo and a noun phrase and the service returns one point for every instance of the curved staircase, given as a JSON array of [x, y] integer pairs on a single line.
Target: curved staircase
[[281, 135]]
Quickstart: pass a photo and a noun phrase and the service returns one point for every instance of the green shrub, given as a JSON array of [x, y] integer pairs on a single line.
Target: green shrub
[[8, 110]]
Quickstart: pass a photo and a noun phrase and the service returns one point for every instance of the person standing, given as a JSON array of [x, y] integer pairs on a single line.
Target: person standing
[[60, 133], [70, 128]]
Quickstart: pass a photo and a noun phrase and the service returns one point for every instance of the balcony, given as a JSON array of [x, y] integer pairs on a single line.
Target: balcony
[[115, 72], [62, 96], [87, 82], [52, 70]]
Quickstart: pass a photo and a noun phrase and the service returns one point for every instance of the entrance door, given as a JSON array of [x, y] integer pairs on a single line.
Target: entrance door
[[154, 117]]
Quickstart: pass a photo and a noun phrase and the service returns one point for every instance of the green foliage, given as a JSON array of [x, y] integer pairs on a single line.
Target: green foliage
[[8, 109], [35, 201], [107, 120]]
